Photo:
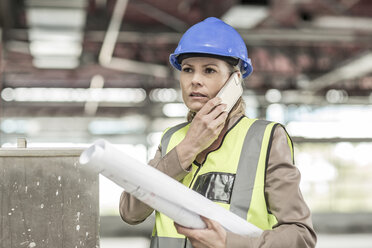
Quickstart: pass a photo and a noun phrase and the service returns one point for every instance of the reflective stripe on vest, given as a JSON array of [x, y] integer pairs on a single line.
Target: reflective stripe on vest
[[167, 136], [241, 161], [165, 242], [247, 169]]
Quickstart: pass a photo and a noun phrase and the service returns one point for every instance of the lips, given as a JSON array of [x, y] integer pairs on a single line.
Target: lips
[[197, 94]]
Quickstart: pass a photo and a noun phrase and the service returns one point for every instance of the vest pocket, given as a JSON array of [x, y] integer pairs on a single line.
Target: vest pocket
[[215, 186]]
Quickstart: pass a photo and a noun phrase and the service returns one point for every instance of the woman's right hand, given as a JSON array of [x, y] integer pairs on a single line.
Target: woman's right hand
[[204, 130]]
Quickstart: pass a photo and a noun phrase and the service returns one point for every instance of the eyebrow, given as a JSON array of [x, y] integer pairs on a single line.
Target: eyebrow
[[210, 64], [183, 64]]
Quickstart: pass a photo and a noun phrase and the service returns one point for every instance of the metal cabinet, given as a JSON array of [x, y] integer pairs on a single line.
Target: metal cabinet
[[47, 199]]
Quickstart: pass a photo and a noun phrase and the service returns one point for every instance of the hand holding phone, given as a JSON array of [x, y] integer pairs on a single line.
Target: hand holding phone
[[231, 91]]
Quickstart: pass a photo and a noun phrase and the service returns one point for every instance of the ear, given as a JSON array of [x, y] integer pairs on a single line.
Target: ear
[[239, 73]]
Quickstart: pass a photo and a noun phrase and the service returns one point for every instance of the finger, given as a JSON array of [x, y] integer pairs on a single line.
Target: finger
[[216, 117], [207, 221], [222, 117], [218, 123], [217, 111], [210, 105], [184, 230], [211, 223]]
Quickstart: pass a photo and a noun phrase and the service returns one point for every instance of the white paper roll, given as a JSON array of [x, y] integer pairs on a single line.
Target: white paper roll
[[160, 191]]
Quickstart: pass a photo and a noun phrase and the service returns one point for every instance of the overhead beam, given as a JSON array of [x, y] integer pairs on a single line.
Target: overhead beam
[[310, 35], [161, 16], [57, 4], [6, 18], [106, 58], [355, 68]]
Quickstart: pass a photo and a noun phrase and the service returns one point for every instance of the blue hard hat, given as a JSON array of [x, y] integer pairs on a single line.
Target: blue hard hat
[[215, 37]]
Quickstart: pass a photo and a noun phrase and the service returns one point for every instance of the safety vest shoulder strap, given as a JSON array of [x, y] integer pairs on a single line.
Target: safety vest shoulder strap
[[167, 135], [248, 198], [247, 168]]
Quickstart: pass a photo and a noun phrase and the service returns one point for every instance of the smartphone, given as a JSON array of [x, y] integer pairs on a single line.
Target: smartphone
[[231, 91]]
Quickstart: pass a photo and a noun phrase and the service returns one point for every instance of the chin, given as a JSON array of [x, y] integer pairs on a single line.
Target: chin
[[195, 107]]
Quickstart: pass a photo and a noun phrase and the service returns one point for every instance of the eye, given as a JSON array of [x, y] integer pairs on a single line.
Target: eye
[[186, 69], [209, 70]]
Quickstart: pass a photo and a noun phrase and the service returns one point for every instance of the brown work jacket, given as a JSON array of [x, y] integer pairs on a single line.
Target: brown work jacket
[[283, 196]]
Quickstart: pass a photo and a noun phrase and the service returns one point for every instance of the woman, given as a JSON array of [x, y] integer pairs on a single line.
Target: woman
[[244, 165]]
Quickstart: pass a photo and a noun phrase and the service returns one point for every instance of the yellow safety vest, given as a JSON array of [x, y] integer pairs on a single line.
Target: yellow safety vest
[[233, 176]]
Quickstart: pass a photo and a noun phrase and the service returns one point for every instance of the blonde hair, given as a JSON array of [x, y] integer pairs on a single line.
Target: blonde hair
[[239, 107]]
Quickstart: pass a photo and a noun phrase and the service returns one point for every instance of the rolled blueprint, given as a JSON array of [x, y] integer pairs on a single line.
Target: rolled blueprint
[[160, 191]]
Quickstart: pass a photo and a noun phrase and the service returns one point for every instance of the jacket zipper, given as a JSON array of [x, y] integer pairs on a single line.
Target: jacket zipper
[[200, 165], [206, 156], [192, 181], [196, 172]]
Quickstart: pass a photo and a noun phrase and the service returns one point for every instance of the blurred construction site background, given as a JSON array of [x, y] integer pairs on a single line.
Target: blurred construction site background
[[73, 71]]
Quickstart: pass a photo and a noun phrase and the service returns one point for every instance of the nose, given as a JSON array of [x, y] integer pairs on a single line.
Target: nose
[[197, 79]]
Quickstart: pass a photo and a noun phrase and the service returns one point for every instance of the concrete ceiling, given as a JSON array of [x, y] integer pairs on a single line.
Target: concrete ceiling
[[292, 49]]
